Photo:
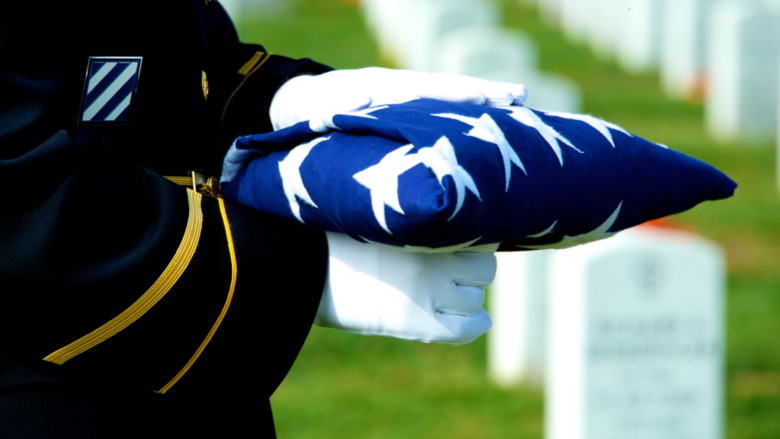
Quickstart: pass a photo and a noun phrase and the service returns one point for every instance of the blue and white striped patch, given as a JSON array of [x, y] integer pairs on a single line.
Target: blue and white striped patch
[[109, 89]]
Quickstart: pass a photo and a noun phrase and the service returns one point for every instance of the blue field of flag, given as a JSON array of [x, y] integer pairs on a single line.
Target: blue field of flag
[[439, 175]]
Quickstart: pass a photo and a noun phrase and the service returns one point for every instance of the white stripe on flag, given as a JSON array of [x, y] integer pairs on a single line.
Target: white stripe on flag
[[108, 93]]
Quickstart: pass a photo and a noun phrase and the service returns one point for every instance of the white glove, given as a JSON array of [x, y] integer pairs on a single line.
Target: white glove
[[318, 98], [374, 289]]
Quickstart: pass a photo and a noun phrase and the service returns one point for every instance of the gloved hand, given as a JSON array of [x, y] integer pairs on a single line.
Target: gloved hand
[[431, 297], [318, 98]]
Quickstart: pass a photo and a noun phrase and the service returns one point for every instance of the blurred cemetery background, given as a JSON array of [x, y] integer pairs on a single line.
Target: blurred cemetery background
[[700, 76]]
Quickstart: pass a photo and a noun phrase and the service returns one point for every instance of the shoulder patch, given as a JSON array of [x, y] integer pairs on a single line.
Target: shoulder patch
[[109, 90]]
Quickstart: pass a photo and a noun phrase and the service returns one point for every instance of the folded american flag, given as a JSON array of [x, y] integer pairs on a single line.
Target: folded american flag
[[442, 176]]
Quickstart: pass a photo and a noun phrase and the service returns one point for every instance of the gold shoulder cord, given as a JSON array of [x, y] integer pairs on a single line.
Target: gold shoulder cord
[[234, 274], [150, 298], [165, 282], [247, 70]]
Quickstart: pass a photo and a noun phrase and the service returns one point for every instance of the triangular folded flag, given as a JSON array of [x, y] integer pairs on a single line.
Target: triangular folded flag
[[443, 176]]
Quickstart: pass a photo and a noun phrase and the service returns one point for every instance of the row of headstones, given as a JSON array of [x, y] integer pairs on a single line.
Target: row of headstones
[[625, 335], [465, 37], [238, 9], [725, 53]]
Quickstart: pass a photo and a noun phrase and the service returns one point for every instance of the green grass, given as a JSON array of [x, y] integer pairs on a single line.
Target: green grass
[[331, 32], [350, 386]]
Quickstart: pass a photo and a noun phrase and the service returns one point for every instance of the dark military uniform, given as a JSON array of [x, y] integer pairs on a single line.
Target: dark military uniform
[[127, 307]]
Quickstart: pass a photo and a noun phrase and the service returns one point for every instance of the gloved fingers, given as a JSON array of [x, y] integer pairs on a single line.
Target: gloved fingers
[[457, 329], [393, 86], [462, 300], [502, 94], [430, 297], [472, 90], [318, 98], [466, 268], [286, 107], [439, 270], [456, 88], [450, 87]]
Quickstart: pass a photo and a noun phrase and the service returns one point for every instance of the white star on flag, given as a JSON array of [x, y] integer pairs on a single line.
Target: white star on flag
[[381, 180], [545, 231], [596, 234], [326, 123], [441, 159], [292, 183], [530, 119], [366, 112], [484, 248], [426, 175], [599, 125], [485, 128]]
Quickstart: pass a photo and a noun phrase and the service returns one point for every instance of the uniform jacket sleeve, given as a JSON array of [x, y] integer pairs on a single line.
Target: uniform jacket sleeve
[[89, 224]]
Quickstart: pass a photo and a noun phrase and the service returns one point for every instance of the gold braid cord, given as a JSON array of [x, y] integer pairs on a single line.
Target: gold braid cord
[[154, 294], [234, 274]]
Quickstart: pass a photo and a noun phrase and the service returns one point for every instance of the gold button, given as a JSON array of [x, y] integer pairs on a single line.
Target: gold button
[[204, 83]]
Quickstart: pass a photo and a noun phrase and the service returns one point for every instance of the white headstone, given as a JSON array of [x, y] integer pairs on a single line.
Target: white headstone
[[506, 55], [635, 342], [552, 92], [232, 7], [605, 26], [639, 34], [546, 90], [384, 19], [254, 9], [372, 14], [744, 43], [550, 11], [684, 48], [479, 49], [575, 17], [517, 302], [428, 21], [772, 5]]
